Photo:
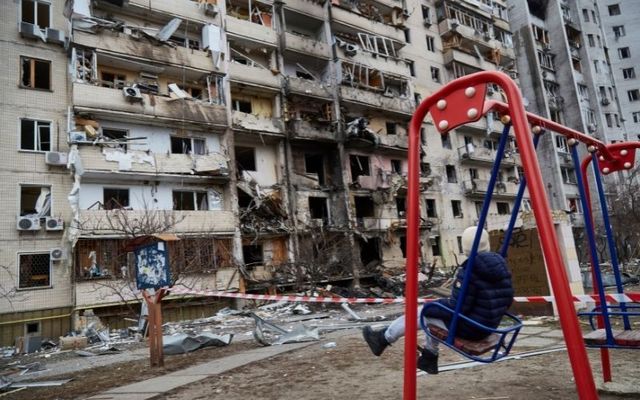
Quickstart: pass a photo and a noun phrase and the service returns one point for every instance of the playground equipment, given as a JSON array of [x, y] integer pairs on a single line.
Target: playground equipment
[[462, 101]]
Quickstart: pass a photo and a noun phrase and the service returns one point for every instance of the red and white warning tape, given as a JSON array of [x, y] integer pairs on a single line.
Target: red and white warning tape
[[613, 297]]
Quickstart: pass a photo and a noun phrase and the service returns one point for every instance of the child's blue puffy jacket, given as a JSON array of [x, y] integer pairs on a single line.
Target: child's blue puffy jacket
[[489, 296]]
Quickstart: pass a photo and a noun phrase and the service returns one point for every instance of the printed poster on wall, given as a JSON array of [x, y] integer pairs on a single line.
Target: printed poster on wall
[[152, 266]]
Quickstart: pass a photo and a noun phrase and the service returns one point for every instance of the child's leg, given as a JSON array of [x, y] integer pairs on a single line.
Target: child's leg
[[397, 328], [431, 344]]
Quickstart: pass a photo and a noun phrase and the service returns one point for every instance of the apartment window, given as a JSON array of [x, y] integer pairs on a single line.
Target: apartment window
[[36, 12], [574, 205], [391, 128], [36, 74], [599, 41], [184, 200], [426, 13], [412, 67], [456, 208], [431, 44], [446, 141], [407, 35], [112, 80], [617, 119], [425, 168], [503, 208], [452, 177], [568, 175], [459, 241], [35, 270], [318, 208], [584, 91], [359, 166], [607, 117], [473, 173], [636, 117], [401, 206], [546, 60], [115, 198], [561, 144], [585, 15], [242, 106], [629, 73], [593, 17], [365, 207], [596, 66], [35, 200], [435, 246], [35, 135], [591, 40], [396, 166], [614, 9], [633, 95], [185, 145], [432, 211], [245, 158], [116, 135], [314, 164], [435, 74], [624, 52], [252, 255], [618, 31]]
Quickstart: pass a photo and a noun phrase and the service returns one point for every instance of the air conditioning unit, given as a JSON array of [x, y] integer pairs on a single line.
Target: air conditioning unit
[[31, 31], [29, 223], [350, 49], [210, 9], [57, 254], [55, 36], [54, 224], [77, 136], [605, 101], [55, 158], [132, 92]]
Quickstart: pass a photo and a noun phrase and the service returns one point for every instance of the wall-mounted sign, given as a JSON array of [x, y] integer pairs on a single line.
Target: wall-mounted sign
[[152, 266]]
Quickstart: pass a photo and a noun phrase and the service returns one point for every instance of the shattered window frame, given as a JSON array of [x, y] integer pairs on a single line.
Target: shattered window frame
[[456, 209], [28, 191], [243, 151], [249, 255], [37, 7], [503, 208], [116, 201], [31, 275], [431, 208], [29, 79], [38, 144], [199, 200], [452, 174], [194, 145], [115, 134], [362, 162]]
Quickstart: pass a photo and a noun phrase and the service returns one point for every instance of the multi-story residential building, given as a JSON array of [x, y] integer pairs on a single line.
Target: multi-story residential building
[[624, 52], [270, 138]]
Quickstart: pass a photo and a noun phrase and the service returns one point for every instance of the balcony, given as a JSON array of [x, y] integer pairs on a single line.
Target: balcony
[[187, 10], [112, 103], [386, 224], [94, 223], [456, 35], [401, 141], [451, 55], [136, 164], [312, 130], [478, 188], [353, 20], [310, 8], [257, 123], [384, 64], [306, 45], [125, 45], [257, 76], [470, 154], [306, 87], [251, 31], [395, 104]]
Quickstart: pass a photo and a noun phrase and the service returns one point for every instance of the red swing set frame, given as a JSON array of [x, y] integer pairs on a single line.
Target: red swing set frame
[[466, 96]]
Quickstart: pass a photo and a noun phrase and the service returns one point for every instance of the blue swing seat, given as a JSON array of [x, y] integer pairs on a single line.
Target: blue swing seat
[[498, 341], [624, 339]]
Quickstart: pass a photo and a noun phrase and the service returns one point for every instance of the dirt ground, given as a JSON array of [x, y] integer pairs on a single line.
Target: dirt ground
[[349, 370]]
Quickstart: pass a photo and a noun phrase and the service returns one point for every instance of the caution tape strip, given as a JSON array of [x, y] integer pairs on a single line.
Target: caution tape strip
[[612, 297]]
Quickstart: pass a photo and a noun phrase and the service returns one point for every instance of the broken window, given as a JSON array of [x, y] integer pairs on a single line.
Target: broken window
[[119, 136], [396, 166], [369, 250], [112, 80], [401, 206], [245, 159], [425, 168], [452, 176], [446, 141], [115, 198], [244, 200], [318, 208], [568, 175], [478, 205], [359, 166], [252, 255], [188, 200], [431, 44], [432, 211], [35, 135], [435, 246], [32, 328], [503, 208], [377, 44], [242, 106], [35, 270], [456, 208], [403, 246], [35, 200], [435, 74], [36, 12], [459, 240], [314, 164], [391, 128], [185, 42], [36, 74], [185, 145], [364, 207]]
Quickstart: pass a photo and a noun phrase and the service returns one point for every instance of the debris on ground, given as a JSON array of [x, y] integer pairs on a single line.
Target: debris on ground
[[182, 343]]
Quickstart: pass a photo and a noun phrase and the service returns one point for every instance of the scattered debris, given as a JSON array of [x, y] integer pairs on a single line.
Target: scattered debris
[[329, 345], [183, 343]]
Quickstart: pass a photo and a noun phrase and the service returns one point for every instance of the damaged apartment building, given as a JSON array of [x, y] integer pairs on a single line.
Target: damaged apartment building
[[265, 142]]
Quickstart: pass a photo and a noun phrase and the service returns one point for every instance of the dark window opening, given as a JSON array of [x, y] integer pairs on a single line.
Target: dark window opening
[[359, 166], [614, 9], [242, 106], [396, 166], [244, 200], [112, 80], [391, 128], [425, 168], [503, 208], [35, 200], [35, 135], [245, 159], [478, 205], [304, 75], [182, 145], [369, 251], [318, 208], [35, 270], [190, 201], [452, 177], [36, 74], [314, 164], [403, 246], [412, 67], [401, 205], [364, 207], [446, 141], [432, 211], [32, 328], [252, 255], [459, 240], [114, 199], [36, 12], [435, 246], [119, 136], [407, 36], [456, 208]]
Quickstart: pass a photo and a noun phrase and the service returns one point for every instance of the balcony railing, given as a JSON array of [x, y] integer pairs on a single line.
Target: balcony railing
[[401, 105], [478, 188], [306, 45], [477, 154]]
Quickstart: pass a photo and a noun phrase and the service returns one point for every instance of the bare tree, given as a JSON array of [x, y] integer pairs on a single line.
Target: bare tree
[[9, 292]]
